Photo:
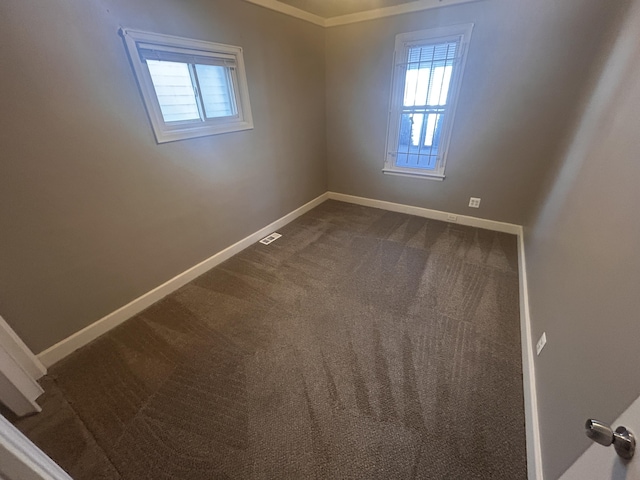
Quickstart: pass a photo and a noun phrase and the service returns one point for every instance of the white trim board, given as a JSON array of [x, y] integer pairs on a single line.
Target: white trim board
[[21, 459], [289, 10], [21, 354], [428, 213], [70, 344], [18, 390], [408, 7], [532, 425]]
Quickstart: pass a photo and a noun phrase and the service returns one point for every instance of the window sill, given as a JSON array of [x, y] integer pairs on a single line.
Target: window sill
[[403, 173], [172, 135]]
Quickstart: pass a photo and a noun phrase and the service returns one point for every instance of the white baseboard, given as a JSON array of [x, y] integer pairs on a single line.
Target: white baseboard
[[70, 344], [534, 453], [428, 213]]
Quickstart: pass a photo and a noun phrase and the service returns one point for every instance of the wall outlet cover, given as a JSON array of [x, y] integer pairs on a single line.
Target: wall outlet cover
[[474, 202]]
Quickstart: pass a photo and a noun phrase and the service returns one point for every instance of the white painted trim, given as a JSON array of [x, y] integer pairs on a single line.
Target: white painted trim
[[460, 35], [534, 453], [408, 7], [10, 341], [19, 370], [428, 213], [20, 459], [18, 390], [67, 346], [424, 176], [185, 47], [289, 10]]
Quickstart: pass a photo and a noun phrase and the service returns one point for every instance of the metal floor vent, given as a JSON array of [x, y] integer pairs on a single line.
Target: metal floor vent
[[268, 239]]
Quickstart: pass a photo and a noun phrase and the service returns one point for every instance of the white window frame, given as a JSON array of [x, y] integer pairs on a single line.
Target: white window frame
[[172, 131], [404, 41]]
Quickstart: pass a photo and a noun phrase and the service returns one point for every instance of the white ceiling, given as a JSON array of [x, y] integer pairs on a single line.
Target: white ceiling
[[329, 13], [335, 8]]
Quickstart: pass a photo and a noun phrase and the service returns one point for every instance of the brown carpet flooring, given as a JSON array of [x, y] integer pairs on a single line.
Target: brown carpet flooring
[[363, 344]]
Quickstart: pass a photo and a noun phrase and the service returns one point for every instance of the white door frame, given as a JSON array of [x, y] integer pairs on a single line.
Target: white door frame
[[21, 459], [19, 371]]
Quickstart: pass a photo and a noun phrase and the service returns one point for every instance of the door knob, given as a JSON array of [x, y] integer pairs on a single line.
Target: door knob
[[622, 439]]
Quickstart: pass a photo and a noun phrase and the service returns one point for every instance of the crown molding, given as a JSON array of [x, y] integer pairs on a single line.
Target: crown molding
[[409, 7], [289, 10]]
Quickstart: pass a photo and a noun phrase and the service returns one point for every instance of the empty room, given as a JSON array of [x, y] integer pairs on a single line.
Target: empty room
[[324, 239]]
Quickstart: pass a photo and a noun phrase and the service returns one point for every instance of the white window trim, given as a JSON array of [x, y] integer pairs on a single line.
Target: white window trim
[[165, 132], [402, 44]]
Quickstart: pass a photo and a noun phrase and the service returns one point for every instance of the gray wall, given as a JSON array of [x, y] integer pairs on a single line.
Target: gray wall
[[584, 267], [523, 79], [93, 213]]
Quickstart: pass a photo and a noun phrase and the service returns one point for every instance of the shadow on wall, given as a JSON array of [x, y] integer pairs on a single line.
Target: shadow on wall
[[596, 122], [619, 471]]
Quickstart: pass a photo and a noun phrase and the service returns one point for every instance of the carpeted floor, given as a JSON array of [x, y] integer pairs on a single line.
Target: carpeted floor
[[363, 344]]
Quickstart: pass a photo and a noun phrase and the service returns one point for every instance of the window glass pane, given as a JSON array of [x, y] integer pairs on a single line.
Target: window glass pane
[[216, 90], [440, 88], [430, 139], [410, 87], [416, 129], [428, 74], [416, 86], [418, 140], [174, 89], [413, 150], [426, 90], [402, 159]]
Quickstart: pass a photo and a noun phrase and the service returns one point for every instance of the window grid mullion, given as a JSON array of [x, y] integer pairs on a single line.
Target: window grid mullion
[[396, 108], [232, 85], [446, 61], [415, 99], [197, 91], [425, 117], [406, 69]]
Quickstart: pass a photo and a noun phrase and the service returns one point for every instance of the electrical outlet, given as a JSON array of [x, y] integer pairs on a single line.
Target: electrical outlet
[[452, 218], [541, 343], [474, 202]]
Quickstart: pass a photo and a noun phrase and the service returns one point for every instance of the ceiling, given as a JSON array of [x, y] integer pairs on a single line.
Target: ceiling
[[336, 8], [329, 13]]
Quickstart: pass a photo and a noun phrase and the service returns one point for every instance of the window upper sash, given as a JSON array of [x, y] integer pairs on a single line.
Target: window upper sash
[[171, 54]]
